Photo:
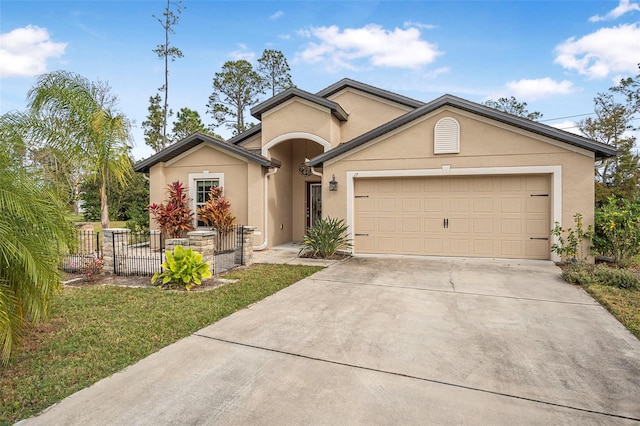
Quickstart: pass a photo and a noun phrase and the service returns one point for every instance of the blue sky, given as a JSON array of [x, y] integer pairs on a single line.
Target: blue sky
[[554, 55]]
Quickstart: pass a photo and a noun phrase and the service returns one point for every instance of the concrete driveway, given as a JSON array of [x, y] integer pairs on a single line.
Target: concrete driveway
[[389, 341]]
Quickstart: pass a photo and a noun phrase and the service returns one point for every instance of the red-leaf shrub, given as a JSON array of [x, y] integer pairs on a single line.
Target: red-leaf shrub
[[216, 212], [175, 218]]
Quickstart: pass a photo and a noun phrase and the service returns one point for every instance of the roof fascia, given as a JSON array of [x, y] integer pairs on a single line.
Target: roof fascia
[[293, 92], [194, 140], [376, 91], [601, 150]]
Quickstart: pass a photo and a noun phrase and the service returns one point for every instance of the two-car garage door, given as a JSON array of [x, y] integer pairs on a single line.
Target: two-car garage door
[[474, 216]]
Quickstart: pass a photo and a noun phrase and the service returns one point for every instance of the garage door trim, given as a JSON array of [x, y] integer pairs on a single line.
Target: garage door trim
[[554, 171]]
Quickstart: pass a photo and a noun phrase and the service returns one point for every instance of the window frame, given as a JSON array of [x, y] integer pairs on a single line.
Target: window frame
[[194, 178]]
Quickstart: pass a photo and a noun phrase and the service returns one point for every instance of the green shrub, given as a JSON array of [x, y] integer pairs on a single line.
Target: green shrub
[[615, 277], [579, 273], [586, 275], [570, 243], [618, 230], [325, 238], [183, 268]]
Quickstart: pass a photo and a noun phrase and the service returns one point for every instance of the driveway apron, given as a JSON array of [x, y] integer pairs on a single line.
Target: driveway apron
[[389, 340]]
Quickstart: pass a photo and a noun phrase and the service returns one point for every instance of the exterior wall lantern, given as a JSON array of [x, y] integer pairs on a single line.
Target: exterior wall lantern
[[333, 185]]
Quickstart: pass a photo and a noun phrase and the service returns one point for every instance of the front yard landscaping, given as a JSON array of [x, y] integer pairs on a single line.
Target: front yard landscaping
[[95, 331]]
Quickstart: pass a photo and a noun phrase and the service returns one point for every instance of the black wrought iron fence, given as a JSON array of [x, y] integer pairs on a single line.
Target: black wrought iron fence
[[137, 253], [84, 255], [229, 250]]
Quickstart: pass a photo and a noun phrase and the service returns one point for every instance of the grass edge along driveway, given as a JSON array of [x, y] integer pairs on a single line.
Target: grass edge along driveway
[[94, 332]]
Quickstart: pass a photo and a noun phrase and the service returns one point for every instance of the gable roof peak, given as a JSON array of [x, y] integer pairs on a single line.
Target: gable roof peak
[[294, 92], [372, 90]]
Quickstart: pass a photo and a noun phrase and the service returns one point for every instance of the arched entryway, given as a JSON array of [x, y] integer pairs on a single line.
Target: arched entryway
[[294, 192]]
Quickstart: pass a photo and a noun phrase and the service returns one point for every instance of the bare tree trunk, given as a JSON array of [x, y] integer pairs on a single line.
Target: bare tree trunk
[[104, 206], [166, 80]]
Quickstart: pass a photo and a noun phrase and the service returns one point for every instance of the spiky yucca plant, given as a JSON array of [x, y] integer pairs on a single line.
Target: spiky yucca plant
[[325, 238]]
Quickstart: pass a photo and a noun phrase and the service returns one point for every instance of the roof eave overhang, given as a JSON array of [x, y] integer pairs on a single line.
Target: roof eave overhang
[[194, 140], [282, 97], [600, 150]]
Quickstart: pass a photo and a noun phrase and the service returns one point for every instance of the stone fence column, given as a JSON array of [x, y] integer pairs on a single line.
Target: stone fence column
[[204, 242], [114, 243], [247, 246], [171, 243]]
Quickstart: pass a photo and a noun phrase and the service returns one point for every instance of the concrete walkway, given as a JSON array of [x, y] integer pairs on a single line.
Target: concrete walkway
[[378, 341], [288, 254]]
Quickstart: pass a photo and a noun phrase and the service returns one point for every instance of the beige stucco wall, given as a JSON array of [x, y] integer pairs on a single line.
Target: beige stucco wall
[[366, 112], [202, 159], [254, 142], [483, 144], [298, 116]]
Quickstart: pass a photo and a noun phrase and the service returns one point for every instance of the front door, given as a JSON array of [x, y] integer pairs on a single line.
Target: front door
[[314, 203]]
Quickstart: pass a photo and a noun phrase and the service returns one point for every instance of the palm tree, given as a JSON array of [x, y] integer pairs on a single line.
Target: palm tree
[[77, 116], [33, 234]]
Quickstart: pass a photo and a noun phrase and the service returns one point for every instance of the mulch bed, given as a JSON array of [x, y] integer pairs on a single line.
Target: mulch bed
[[79, 281]]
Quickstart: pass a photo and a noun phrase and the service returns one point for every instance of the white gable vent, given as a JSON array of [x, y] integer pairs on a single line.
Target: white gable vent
[[446, 138]]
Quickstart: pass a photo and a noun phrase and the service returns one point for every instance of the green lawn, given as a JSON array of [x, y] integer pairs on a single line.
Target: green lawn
[[94, 332]]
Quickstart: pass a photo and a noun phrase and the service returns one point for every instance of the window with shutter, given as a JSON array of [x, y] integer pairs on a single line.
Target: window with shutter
[[446, 136]]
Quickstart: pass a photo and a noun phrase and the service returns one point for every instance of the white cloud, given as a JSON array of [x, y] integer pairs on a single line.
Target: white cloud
[[346, 48], [602, 53], [531, 89], [25, 51], [419, 25], [277, 15], [623, 7], [437, 72], [242, 53]]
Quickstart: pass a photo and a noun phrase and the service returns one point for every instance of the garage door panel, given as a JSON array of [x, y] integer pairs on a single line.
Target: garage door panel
[[483, 247], [483, 226], [388, 185], [433, 205], [459, 205], [411, 245], [459, 225], [387, 224], [537, 249], [412, 224], [486, 216], [387, 244], [433, 246], [511, 248], [537, 204], [412, 205], [483, 205], [537, 228], [459, 247], [433, 225], [511, 226], [387, 205], [366, 224], [365, 205]]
